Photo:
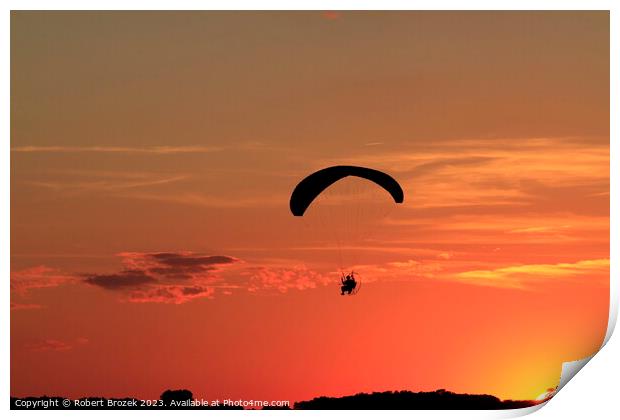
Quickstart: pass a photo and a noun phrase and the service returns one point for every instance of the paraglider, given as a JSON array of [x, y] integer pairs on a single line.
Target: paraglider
[[313, 185], [349, 284], [316, 183]]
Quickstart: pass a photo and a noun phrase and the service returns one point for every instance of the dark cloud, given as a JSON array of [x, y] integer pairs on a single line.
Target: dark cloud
[[175, 265], [123, 280], [190, 260], [183, 266], [192, 290], [166, 277]]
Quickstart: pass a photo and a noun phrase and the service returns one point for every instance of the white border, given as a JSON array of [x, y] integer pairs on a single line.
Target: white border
[[593, 394]]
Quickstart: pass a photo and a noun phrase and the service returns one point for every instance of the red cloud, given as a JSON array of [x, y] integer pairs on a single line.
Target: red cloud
[[37, 277], [283, 278], [16, 306], [176, 278], [51, 344], [170, 294], [330, 15]]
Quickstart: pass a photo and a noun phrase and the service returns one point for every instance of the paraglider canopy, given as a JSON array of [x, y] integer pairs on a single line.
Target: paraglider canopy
[[313, 185]]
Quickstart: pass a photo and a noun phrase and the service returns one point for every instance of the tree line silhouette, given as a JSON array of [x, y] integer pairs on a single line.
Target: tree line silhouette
[[389, 400]]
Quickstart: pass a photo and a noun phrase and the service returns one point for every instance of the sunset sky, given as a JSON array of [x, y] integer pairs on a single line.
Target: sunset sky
[[152, 160]]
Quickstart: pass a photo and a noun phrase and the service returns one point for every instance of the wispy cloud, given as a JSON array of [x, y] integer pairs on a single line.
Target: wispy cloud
[[104, 184], [38, 277], [489, 172], [212, 201], [518, 276], [158, 150], [517, 224], [540, 229], [17, 306], [51, 344]]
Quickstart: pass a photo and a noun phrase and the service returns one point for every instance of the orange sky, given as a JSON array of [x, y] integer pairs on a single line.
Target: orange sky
[[153, 155]]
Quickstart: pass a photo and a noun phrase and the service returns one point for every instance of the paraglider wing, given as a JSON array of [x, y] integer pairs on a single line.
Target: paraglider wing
[[313, 185]]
